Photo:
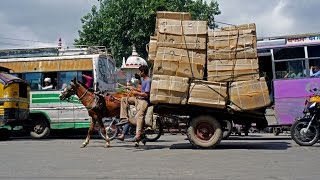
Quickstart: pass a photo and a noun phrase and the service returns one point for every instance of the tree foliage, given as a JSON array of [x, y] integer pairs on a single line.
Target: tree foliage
[[119, 24]]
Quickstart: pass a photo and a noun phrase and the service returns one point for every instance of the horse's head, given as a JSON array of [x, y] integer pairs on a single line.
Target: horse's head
[[69, 90]]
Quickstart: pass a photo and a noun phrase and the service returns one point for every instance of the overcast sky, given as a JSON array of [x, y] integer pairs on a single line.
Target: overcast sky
[[41, 22]]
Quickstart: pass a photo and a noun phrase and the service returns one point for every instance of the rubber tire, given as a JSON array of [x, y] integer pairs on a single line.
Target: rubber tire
[[276, 131], [213, 141], [112, 137], [4, 134], [160, 127], [227, 133], [310, 143], [45, 133]]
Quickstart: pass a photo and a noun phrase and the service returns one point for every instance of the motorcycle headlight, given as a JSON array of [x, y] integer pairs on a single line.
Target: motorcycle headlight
[[312, 105]]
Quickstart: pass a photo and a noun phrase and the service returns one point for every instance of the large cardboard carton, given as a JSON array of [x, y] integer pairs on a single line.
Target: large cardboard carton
[[178, 68], [152, 49], [182, 42], [232, 44], [178, 27], [239, 27], [208, 94], [227, 53], [171, 15], [182, 55], [232, 70], [169, 89], [249, 95]]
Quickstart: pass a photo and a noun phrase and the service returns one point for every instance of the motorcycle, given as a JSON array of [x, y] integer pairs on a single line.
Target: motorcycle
[[151, 133], [305, 130]]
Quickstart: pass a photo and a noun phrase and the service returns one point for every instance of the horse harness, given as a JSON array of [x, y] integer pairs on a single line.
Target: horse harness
[[95, 104]]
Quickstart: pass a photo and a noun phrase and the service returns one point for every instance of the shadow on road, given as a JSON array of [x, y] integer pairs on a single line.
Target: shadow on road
[[239, 145], [257, 137]]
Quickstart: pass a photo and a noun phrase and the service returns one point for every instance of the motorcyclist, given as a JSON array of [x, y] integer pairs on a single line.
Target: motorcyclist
[[140, 100]]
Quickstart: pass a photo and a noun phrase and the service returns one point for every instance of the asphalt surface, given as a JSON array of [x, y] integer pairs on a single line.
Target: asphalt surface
[[257, 156]]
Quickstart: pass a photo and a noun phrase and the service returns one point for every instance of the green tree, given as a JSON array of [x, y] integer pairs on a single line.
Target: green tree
[[119, 24]]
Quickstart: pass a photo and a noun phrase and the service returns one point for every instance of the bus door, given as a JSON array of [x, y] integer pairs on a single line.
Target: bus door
[[291, 84], [266, 69]]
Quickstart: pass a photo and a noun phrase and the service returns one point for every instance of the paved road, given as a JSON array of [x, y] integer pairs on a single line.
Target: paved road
[[259, 156]]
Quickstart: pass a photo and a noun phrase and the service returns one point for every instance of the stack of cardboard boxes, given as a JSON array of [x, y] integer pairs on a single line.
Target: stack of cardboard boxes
[[178, 53], [210, 69]]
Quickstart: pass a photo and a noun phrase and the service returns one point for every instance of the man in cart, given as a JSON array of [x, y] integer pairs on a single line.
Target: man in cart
[[141, 100]]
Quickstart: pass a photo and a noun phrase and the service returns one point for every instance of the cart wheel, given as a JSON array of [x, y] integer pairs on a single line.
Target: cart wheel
[[204, 132]]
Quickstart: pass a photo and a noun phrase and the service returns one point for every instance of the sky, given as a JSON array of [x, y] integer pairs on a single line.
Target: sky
[[35, 23]]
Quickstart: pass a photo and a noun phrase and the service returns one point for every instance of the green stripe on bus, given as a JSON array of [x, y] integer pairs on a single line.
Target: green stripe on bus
[[45, 95], [56, 99], [69, 125], [46, 100]]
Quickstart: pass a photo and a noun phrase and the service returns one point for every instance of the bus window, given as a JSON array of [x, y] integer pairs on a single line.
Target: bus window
[[314, 53], [65, 78], [290, 69], [289, 53], [87, 78], [34, 79]]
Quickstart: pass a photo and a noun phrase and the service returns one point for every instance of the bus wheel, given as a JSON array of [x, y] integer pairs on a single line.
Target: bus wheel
[[4, 134], [204, 132], [40, 129]]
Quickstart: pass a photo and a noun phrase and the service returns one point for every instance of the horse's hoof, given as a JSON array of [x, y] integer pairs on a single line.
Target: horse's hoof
[[83, 145], [107, 146], [144, 141]]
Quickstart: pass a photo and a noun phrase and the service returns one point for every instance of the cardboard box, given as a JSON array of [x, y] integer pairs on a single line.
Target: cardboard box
[[232, 39], [249, 95], [152, 49], [178, 68], [182, 42], [239, 27], [179, 27], [232, 70], [230, 76], [169, 89], [183, 55], [208, 94], [171, 15], [227, 53]]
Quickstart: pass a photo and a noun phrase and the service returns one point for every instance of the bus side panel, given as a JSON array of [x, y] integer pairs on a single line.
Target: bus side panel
[[290, 96], [63, 114], [46, 102]]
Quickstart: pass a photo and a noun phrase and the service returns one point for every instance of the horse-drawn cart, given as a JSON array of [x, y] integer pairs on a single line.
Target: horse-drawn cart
[[205, 126]]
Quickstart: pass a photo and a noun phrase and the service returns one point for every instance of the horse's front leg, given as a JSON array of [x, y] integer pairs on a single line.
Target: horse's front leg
[[105, 132], [90, 131]]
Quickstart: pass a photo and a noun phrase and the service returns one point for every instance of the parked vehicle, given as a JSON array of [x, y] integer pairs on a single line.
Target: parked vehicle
[[286, 62], [14, 104], [47, 111], [305, 130]]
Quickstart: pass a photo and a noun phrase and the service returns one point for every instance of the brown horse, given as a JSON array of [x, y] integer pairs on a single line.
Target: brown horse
[[98, 106]]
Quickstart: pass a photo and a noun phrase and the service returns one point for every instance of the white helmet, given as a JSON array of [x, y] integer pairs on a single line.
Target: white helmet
[[47, 80]]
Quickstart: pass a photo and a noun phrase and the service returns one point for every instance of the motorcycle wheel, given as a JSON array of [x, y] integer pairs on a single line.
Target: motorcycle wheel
[[112, 131], [227, 129], [154, 135], [301, 137]]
